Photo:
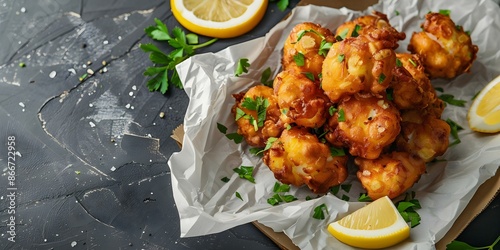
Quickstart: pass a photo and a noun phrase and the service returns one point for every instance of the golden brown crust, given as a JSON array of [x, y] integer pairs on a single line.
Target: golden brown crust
[[446, 50], [298, 158]]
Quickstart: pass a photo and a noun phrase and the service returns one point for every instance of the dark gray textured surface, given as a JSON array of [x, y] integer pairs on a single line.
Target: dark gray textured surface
[[91, 164]]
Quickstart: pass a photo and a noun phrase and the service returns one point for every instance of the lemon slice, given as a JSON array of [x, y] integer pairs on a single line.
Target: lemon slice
[[484, 113], [377, 225], [219, 18]]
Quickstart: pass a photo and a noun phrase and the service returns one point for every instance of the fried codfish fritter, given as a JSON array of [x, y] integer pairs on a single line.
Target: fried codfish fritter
[[375, 27], [390, 174], [298, 158], [254, 131], [301, 100], [357, 65], [304, 41], [365, 125], [446, 50], [423, 135], [412, 89]]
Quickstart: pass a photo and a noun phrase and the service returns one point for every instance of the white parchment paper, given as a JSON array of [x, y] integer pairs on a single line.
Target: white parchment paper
[[208, 205]]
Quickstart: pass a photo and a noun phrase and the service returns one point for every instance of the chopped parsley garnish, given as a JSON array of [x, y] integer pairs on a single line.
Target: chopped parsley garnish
[[245, 172], [381, 78], [319, 212], [345, 197], [364, 198], [355, 33], [340, 58], [407, 209], [238, 195], [258, 104], [266, 77], [225, 179], [242, 67], [450, 99], [342, 35], [341, 115], [278, 196], [412, 62], [390, 94], [396, 12], [454, 131], [445, 12], [475, 95], [237, 138], [22, 65], [309, 75], [332, 110], [324, 47], [439, 89], [334, 151], [299, 59], [282, 4], [164, 64], [269, 143], [398, 63]]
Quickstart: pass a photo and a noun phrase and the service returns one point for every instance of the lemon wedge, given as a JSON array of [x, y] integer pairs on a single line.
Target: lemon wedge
[[484, 113], [377, 225], [219, 18]]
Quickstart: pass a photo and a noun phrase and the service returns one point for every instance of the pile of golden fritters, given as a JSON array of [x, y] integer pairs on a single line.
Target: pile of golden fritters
[[349, 97]]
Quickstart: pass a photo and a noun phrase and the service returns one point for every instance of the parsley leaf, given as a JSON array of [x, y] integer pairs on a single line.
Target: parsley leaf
[[332, 110], [281, 188], [324, 47], [445, 12], [334, 151], [277, 197], [164, 64], [318, 212], [258, 104], [381, 78], [407, 208], [450, 99], [299, 59], [341, 114], [266, 77], [282, 4], [364, 198], [342, 35], [340, 58], [225, 179], [454, 131], [238, 195], [242, 67], [309, 75], [245, 172], [390, 94], [459, 245], [398, 63], [237, 138], [355, 33]]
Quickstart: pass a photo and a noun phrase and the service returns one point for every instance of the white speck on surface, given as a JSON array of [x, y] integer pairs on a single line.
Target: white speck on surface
[[105, 69], [84, 66], [131, 93], [52, 74], [23, 110], [134, 87], [131, 107], [90, 71], [119, 37], [127, 106], [113, 169], [92, 124], [22, 104], [105, 42], [150, 160], [91, 105], [72, 71], [154, 123], [73, 244], [23, 10], [44, 240]]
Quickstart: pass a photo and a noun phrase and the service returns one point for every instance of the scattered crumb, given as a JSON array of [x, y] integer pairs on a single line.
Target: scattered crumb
[[52, 74]]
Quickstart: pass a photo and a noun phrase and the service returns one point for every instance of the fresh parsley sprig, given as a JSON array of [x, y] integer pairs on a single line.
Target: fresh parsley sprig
[[454, 127], [319, 212], [282, 4], [459, 245], [407, 209], [237, 138], [163, 73], [279, 196], [245, 172], [450, 99]]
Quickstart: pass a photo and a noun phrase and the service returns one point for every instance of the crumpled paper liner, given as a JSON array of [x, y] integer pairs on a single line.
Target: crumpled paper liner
[[207, 205]]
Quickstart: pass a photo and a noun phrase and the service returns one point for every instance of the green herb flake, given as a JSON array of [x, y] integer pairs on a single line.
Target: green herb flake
[[77, 172], [399, 63], [390, 94], [309, 75], [281, 188], [450, 99], [407, 209], [324, 47], [341, 115], [346, 187], [445, 12], [242, 67], [381, 78], [245, 172], [332, 110], [340, 58], [459, 245], [238, 195], [364, 198], [22, 65], [256, 151], [237, 138], [259, 104], [83, 77], [319, 212], [282, 4], [454, 127], [221, 128], [225, 179], [355, 33], [342, 34], [266, 77], [396, 13], [334, 151], [439, 89], [335, 190], [299, 59], [412, 62], [475, 95], [345, 197]]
